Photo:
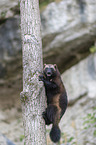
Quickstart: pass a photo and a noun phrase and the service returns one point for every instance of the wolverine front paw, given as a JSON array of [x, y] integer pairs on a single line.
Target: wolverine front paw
[[41, 78]]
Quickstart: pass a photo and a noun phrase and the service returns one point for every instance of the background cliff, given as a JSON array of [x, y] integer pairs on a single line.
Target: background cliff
[[68, 36]]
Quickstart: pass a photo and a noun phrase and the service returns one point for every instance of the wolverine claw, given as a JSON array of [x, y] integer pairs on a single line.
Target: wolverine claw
[[44, 114], [41, 78]]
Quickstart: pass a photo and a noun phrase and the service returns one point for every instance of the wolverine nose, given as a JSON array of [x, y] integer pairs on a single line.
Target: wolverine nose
[[48, 72]]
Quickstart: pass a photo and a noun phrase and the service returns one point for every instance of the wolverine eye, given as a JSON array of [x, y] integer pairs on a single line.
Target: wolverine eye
[[46, 69], [52, 69]]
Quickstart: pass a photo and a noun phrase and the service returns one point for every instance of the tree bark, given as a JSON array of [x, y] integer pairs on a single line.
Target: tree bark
[[32, 96]]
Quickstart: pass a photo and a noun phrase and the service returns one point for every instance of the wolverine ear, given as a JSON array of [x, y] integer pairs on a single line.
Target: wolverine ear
[[55, 65]]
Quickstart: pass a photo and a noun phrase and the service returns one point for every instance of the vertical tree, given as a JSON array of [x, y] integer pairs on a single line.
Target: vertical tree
[[32, 96]]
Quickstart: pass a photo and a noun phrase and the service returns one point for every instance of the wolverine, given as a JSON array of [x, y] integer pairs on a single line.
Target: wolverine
[[56, 99]]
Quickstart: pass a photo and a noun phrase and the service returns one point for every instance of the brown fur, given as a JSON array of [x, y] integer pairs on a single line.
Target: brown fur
[[56, 99]]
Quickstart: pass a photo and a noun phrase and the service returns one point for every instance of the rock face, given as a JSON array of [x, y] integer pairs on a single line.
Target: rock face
[[6, 8], [11, 126], [68, 31], [5, 141], [81, 79], [10, 40], [10, 44], [80, 82], [10, 62]]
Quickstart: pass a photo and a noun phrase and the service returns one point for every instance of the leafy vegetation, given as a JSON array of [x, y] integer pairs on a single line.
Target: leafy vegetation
[[90, 121], [44, 3], [21, 138], [3, 14], [93, 49]]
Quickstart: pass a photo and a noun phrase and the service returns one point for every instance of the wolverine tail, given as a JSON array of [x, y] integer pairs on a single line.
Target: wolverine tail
[[55, 133]]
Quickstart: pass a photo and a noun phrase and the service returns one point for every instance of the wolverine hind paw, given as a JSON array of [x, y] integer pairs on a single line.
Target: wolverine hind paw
[[47, 121]]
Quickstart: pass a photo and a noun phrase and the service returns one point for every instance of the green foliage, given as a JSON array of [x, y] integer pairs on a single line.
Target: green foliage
[[93, 49], [3, 14], [44, 3], [22, 137], [68, 139], [90, 121]]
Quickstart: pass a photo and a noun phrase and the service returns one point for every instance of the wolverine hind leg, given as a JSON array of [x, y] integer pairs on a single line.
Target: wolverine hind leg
[[52, 114], [47, 121]]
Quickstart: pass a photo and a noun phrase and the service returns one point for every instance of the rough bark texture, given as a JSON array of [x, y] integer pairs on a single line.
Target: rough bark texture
[[32, 97]]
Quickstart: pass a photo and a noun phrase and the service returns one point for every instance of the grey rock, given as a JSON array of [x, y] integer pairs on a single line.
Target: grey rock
[[5, 141], [65, 36], [5, 8], [10, 40], [67, 33], [10, 45], [2, 70], [80, 82]]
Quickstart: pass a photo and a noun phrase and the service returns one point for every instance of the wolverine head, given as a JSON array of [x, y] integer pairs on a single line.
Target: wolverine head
[[50, 70]]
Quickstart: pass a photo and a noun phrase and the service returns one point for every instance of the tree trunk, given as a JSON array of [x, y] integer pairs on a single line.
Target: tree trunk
[[32, 97]]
